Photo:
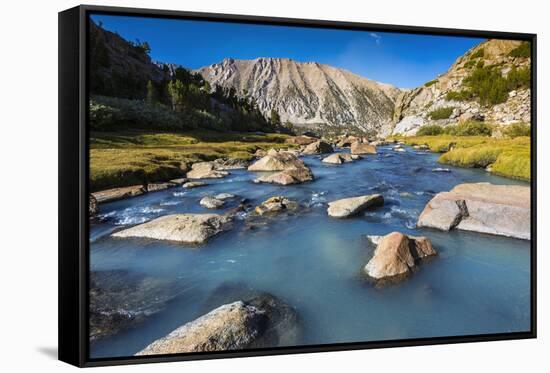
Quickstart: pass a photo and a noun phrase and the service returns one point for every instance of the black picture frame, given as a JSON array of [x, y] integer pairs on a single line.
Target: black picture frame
[[73, 166]]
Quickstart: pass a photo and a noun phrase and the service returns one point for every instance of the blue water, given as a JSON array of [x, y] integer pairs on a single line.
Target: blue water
[[477, 284]]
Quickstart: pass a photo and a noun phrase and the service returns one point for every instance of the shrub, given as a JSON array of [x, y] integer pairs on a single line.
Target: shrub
[[488, 85], [518, 78], [479, 53], [430, 83], [463, 95], [470, 128], [523, 50], [470, 64], [441, 113], [477, 156], [430, 130], [517, 130]]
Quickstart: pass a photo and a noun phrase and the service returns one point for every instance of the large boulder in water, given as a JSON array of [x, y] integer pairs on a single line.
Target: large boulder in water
[[121, 299], [503, 210], [205, 170], [261, 322], [288, 177], [397, 254], [338, 158], [210, 202], [362, 148], [318, 147], [347, 207], [184, 228], [277, 161]]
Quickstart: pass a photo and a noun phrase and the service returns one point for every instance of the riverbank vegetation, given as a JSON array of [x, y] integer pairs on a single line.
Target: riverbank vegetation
[[508, 156], [135, 157]]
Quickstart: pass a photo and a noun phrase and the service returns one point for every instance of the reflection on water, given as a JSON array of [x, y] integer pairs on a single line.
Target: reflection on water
[[477, 284]]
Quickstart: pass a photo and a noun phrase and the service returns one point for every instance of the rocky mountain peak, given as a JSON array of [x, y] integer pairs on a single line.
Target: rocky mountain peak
[[309, 95]]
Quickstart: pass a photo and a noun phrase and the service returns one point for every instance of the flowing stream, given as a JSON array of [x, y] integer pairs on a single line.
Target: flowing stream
[[477, 284]]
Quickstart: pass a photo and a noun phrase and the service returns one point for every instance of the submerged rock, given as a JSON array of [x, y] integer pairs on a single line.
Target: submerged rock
[[224, 196], [397, 254], [205, 170], [347, 207], [211, 202], [361, 148], [275, 205], [121, 299], [193, 184], [184, 228], [338, 158], [261, 322], [318, 147], [481, 207], [115, 194]]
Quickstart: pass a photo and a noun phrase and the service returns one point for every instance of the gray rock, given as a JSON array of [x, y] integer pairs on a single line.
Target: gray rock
[[205, 170], [155, 187], [338, 158], [232, 326], [193, 184], [180, 181], [224, 196], [318, 147], [288, 177], [115, 194], [231, 164], [279, 161], [211, 202], [183, 228], [347, 207], [481, 207], [361, 148], [92, 206], [276, 205], [260, 322], [397, 254]]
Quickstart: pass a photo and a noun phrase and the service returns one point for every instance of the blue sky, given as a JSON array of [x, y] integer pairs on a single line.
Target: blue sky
[[404, 60]]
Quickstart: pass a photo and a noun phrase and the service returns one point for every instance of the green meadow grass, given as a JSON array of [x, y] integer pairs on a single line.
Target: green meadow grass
[[134, 157], [505, 157]]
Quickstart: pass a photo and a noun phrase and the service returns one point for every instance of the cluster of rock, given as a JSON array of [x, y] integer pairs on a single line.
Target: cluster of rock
[[503, 210], [285, 167]]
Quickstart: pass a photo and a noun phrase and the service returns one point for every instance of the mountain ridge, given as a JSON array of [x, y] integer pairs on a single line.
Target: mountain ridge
[[308, 94]]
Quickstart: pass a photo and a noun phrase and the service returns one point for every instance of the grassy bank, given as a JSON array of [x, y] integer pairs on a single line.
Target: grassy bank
[[133, 157], [505, 157]]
